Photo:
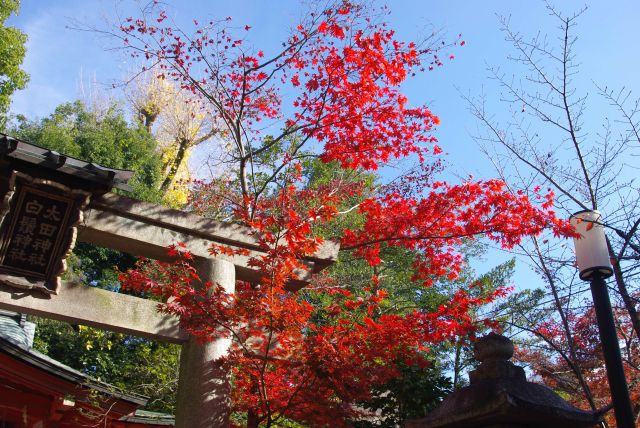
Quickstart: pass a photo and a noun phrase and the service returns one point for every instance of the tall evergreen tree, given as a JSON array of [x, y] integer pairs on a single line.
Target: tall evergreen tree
[[12, 51]]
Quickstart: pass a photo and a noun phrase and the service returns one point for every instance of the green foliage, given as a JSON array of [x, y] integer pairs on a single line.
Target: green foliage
[[104, 138], [98, 266], [129, 363], [318, 174], [413, 395], [524, 308], [461, 351], [12, 51]]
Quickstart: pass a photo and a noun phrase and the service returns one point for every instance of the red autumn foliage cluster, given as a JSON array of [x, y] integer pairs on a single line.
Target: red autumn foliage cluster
[[552, 363], [333, 92]]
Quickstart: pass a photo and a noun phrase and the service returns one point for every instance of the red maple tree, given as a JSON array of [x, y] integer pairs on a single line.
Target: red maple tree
[[552, 362], [331, 92]]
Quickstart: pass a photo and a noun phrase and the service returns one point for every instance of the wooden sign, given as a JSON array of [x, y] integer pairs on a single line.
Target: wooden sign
[[37, 231]]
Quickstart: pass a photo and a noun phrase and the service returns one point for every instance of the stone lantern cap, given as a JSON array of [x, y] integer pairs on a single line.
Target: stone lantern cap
[[499, 395]]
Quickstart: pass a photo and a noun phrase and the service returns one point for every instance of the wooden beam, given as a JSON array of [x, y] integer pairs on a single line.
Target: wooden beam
[[81, 304]]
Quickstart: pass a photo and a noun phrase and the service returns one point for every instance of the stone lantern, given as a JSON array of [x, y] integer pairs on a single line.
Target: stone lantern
[[499, 396]]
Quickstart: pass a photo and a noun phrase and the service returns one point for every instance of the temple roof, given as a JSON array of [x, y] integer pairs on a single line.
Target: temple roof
[[15, 341]]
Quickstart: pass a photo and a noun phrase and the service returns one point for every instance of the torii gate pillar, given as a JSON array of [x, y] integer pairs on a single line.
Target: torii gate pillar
[[203, 386], [37, 183]]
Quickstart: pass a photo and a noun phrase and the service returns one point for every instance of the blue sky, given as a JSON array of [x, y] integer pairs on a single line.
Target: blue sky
[[59, 59]]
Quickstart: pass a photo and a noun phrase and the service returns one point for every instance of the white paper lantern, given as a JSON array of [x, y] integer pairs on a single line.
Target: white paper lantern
[[592, 254]]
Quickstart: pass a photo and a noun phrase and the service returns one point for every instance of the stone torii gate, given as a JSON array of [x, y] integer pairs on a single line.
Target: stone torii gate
[[50, 200]]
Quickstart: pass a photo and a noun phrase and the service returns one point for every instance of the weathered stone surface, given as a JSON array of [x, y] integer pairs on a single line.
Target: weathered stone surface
[[144, 229], [493, 347], [81, 304], [204, 388], [499, 396]]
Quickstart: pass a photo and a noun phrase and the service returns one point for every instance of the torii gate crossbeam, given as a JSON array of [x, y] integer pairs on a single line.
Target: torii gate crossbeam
[[141, 229]]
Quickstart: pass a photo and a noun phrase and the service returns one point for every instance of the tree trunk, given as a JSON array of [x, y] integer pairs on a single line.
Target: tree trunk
[[183, 144], [622, 289], [456, 367], [565, 325], [252, 419]]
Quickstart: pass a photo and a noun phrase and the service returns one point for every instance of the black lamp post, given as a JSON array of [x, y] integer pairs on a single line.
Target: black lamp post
[[594, 264]]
